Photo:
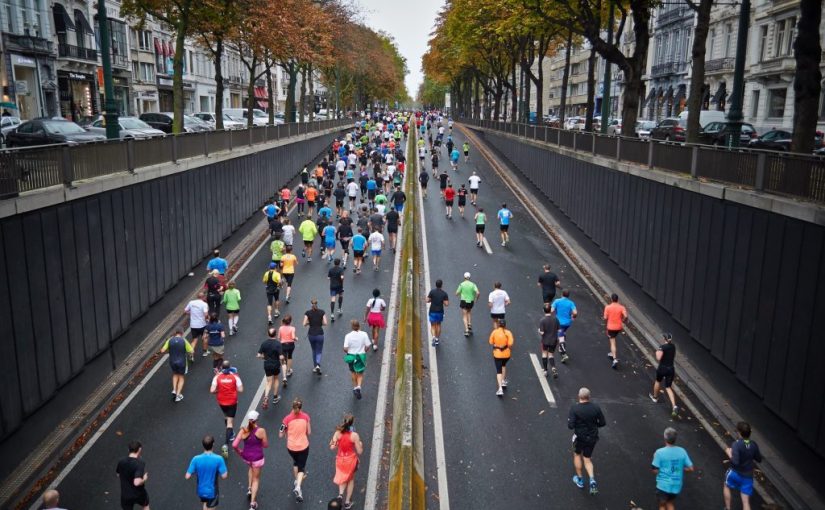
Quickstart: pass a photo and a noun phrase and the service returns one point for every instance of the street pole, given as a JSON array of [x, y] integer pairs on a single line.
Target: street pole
[[606, 80], [110, 116], [735, 113]]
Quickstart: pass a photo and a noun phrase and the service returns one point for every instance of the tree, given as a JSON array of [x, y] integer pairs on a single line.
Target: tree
[[565, 80], [808, 78], [431, 93], [697, 79]]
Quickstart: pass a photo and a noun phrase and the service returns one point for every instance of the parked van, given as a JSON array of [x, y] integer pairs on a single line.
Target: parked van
[[706, 117]]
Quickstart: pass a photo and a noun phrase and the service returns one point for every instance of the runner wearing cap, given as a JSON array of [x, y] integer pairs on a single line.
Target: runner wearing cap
[[665, 373], [467, 292], [254, 441], [226, 385], [502, 341]]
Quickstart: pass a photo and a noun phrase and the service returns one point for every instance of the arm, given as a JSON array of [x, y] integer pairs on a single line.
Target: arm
[[571, 419], [305, 322], [263, 437], [214, 387], [600, 421], [333, 443], [359, 446], [659, 354]]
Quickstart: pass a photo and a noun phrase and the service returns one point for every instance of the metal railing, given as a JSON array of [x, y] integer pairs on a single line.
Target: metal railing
[[719, 64], [795, 175], [31, 168], [72, 51]]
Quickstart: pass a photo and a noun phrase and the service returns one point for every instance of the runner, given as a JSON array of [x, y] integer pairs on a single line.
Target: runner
[[340, 194], [270, 351], [349, 446], [311, 195], [289, 261], [300, 197], [438, 299], [356, 343], [359, 244], [315, 319], [584, 419], [198, 312], [669, 465], [423, 179], [565, 310], [466, 148], [549, 282], [449, 196], [504, 217], [434, 161], [443, 181], [254, 441], [398, 198], [336, 288], [132, 473], [207, 467], [287, 337], [502, 341], [277, 247], [51, 500], [374, 316], [474, 181], [226, 385], [481, 220], [615, 316], [352, 192], [216, 339], [739, 476], [665, 372], [549, 332], [329, 233], [308, 231], [179, 352], [214, 291], [296, 428], [454, 158], [393, 219], [376, 241], [270, 211], [232, 302], [462, 199], [498, 301], [344, 236], [216, 262], [372, 186], [467, 293]]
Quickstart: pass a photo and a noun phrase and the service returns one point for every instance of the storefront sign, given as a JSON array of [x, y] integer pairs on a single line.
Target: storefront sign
[[22, 87], [120, 82], [80, 77], [165, 82], [20, 60]]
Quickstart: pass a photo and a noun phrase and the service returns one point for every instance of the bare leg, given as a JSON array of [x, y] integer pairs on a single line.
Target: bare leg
[[577, 464]]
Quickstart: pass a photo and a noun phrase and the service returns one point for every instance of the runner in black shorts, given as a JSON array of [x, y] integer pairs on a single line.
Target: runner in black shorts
[[462, 199], [665, 372], [270, 352]]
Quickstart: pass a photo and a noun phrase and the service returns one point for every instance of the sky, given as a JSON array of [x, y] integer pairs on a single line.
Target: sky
[[410, 24]]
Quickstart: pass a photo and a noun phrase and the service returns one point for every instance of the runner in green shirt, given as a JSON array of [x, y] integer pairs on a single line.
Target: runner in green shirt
[[467, 293], [481, 220], [308, 230], [466, 148], [232, 301], [277, 248]]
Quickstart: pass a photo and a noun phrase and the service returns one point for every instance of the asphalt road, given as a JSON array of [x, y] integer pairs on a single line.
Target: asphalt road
[[171, 432], [515, 451]]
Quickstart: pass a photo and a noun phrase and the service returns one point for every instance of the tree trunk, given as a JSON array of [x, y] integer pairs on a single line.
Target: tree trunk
[[565, 79], [269, 95], [292, 70], [591, 91], [540, 91], [476, 105], [302, 108], [526, 85], [808, 77], [311, 93], [499, 93], [514, 94], [250, 92], [697, 79], [217, 55], [177, 76], [634, 68]]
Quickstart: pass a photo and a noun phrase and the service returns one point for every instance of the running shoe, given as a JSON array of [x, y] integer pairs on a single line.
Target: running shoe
[[348, 505], [544, 372], [374, 347], [555, 373], [316, 369], [253, 505], [225, 451], [579, 481], [287, 300], [303, 253], [610, 355], [309, 259], [276, 399], [500, 391], [564, 358], [332, 318], [594, 489], [615, 364], [435, 341], [504, 244], [674, 412], [249, 494], [340, 312], [285, 382], [235, 329], [174, 396], [205, 353], [467, 332], [270, 321], [358, 393], [265, 403], [277, 313], [289, 373], [179, 398], [654, 399], [504, 383]]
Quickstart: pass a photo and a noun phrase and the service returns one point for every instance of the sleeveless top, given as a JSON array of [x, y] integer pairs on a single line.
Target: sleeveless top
[[253, 448], [346, 446]]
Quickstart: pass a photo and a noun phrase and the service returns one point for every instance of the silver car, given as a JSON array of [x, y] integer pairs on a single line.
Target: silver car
[[130, 128], [228, 122], [7, 124], [643, 128]]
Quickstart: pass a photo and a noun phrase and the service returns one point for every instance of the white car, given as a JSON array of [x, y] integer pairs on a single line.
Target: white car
[[7, 124], [130, 127], [643, 128], [228, 122], [574, 123], [259, 117]]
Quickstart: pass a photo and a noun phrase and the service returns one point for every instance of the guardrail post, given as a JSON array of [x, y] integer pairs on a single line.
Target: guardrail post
[[66, 168], [249, 138], [130, 155], [546, 129], [231, 135], [174, 148], [761, 160], [206, 143], [594, 143], [694, 162], [574, 141], [558, 137], [651, 143], [618, 148]]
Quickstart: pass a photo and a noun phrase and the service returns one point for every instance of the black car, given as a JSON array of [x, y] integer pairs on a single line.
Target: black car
[[716, 133], [45, 131], [670, 130]]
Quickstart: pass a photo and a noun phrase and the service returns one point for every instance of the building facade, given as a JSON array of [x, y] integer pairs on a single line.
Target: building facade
[[669, 54]]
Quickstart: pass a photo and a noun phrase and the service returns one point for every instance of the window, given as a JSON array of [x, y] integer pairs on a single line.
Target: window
[[728, 41], [144, 40], [784, 36], [9, 19], [711, 44], [763, 43], [776, 102], [147, 72], [754, 104]]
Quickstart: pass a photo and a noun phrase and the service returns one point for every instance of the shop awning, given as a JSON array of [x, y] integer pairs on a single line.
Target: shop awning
[[669, 93], [83, 22], [260, 93], [680, 93], [158, 47], [720, 93], [62, 20], [263, 104], [650, 96]]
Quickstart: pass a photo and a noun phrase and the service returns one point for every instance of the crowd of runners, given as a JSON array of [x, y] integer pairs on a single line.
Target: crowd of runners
[[352, 201]]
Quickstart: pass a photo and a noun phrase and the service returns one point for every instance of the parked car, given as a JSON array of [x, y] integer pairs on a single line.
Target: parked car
[[163, 122], [45, 131], [716, 133], [259, 117], [323, 114], [671, 129], [614, 127], [130, 128], [706, 117], [780, 140], [228, 121], [551, 120], [7, 124], [574, 123], [643, 128]]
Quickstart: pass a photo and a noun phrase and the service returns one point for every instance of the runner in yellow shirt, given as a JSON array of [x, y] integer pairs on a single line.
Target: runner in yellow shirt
[[288, 263], [308, 230]]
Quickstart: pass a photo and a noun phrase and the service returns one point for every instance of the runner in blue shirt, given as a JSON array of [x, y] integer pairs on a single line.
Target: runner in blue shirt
[[371, 187], [270, 211], [329, 241], [504, 216], [207, 466], [669, 464], [216, 262], [325, 212], [454, 157], [565, 310], [359, 243]]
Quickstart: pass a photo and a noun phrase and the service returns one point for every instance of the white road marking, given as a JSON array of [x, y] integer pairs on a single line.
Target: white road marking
[[377, 447], [435, 392], [486, 246], [257, 398], [545, 386]]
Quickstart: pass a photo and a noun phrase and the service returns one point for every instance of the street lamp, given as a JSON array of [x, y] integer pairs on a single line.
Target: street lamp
[[110, 114]]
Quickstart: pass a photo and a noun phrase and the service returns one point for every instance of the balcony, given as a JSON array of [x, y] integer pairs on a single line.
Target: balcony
[[668, 68], [121, 61], [28, 44], [76, 52], [671, 15], [718, 65], [785, 65]]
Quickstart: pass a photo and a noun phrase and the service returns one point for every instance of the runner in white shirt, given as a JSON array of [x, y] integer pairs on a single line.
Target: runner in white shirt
[[356, 343], [198, 312], [474, 181], [340, 167], [390, 170], [352, 193], [498, 301], [376, 241], [289, 232], [388, 159], [352, 159]]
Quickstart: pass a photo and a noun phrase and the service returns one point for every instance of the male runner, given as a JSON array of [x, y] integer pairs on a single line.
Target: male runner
[[549, 333], [336, 288], [308, 231], [226, 385], [497, 301], [665, 372], [474, 182], [393, 220], [207, 467], [359, 244], [449, 196], [289, 261], [615, 316], [438, 300], [584, 419], [565, 310], [548, 281], [179, 351], [423, 179], [504, 217], [467, 293], [272, 280], [198, 312], [376, 241], [462, 199]]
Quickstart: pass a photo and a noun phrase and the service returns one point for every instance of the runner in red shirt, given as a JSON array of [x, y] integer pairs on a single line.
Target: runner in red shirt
[[226, 385], [449, 196], [614, 315]]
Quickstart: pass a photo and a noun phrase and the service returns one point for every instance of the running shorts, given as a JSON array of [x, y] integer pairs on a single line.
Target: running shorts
[[272, 369], [129, 504], [197, 332], [504, 228], [584, 448], [449, 203], [500, 363], [308, 244], [230, 411], [479, 229], [272, 297], [436, 317], [613, 333], [665, 376], [344, 244], [375, 253], [335, 292], [550, 347], [735, 481], [497, 316], [665, 497], [466, 305], [358, 253], [287, 348], [289, 277], [462, 201], [392, 229], [299, 459]]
